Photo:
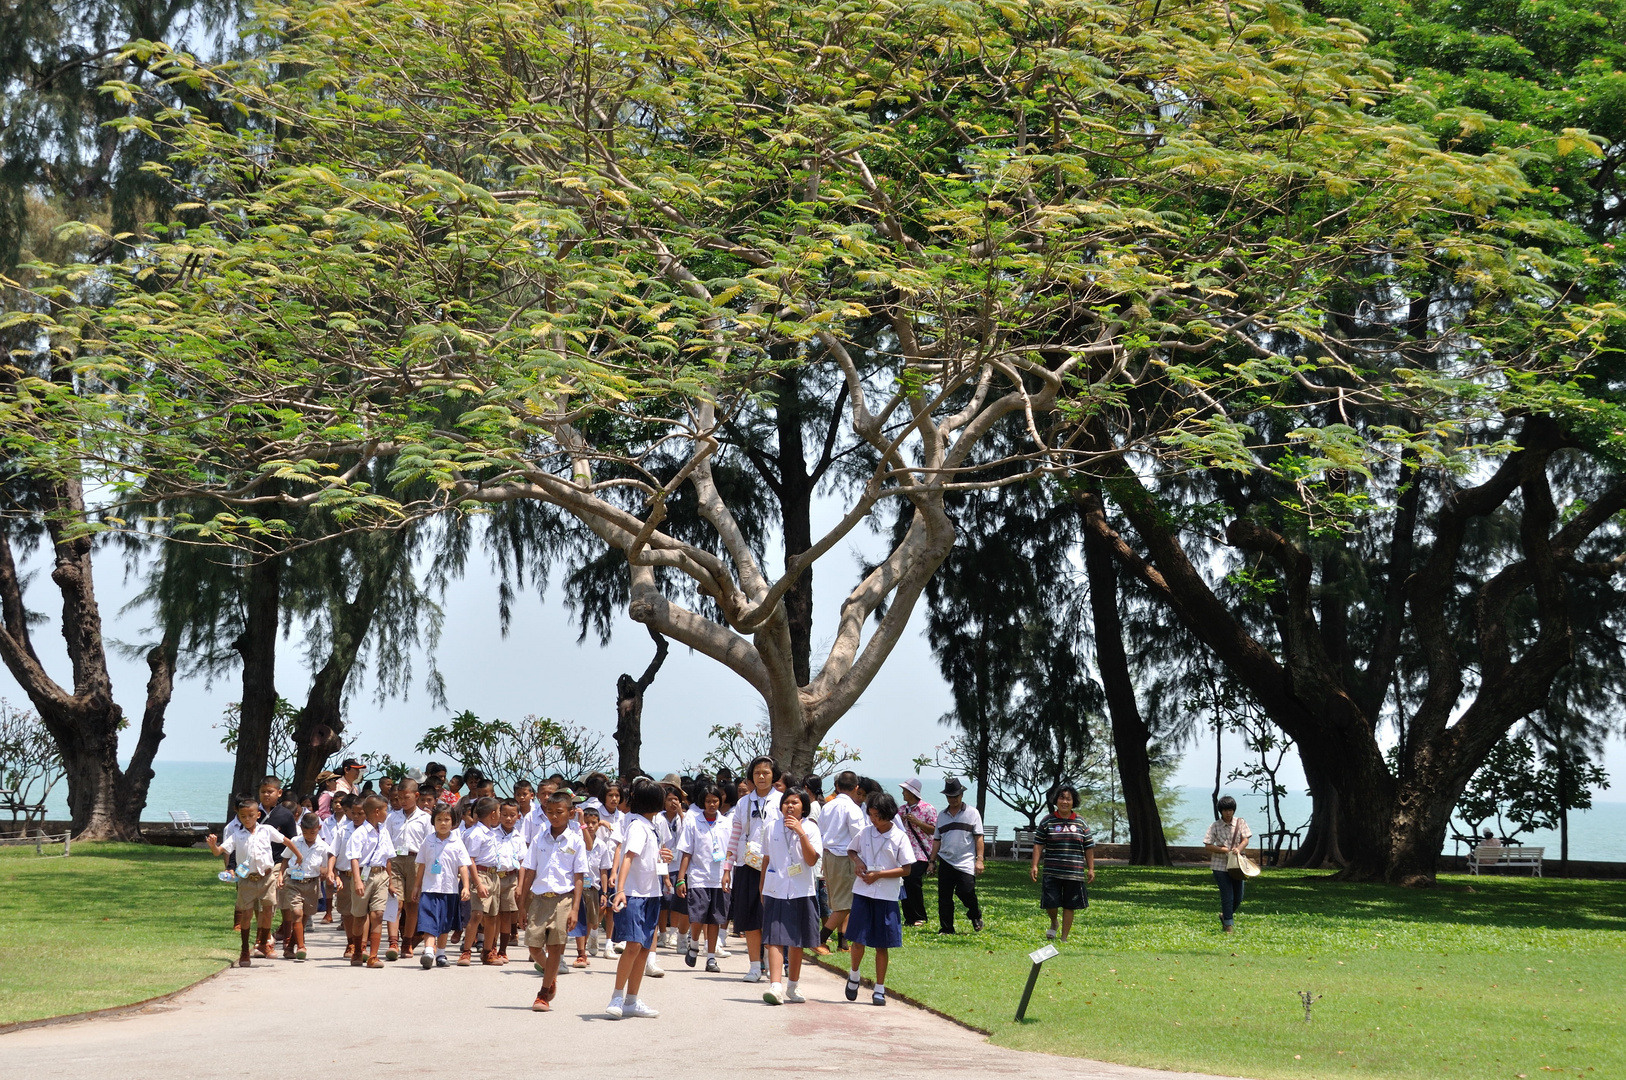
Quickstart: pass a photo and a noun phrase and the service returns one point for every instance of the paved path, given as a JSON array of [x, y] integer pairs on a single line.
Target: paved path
[[360, 1019]]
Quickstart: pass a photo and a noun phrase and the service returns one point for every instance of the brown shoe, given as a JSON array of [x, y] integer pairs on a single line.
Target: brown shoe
[[358, 960], [489, 958], [349, 952], [244, 961], [374, 962], [549, 992], [821, 950], [464, 960], [541, 1003]]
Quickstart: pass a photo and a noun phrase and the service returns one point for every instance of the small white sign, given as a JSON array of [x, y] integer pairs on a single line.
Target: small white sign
[[1039, 956]]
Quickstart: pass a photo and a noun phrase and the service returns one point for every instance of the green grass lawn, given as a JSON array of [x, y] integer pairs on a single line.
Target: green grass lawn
[[1480, 977], [109, 925]]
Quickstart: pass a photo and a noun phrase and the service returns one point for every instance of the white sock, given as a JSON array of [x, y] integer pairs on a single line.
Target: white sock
[[756, 965], [710, 955], [853, 976], [618, 998], [629, 1001], [791, 984], [880, 988]]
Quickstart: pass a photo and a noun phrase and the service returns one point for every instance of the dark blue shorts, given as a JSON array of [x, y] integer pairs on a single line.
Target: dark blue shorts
[[707, 907], [875, 923], [636, 923]]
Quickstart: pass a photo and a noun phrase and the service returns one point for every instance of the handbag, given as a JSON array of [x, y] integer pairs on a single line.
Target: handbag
[[1238, 866]]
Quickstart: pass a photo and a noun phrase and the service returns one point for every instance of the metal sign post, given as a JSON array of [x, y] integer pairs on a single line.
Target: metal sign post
[[1038, 956]]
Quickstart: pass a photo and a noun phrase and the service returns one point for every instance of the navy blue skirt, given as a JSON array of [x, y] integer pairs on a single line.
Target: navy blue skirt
[[875, 923], [439, 913], [792, 923]]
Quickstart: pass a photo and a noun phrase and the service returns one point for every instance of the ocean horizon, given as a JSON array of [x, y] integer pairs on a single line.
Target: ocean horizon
[[201, 788]]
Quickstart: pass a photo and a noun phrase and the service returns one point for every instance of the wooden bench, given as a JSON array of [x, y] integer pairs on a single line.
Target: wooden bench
[[1022, 844], [1488, 858]]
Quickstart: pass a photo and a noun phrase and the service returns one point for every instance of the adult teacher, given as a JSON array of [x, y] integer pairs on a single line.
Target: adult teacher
[[919, 823]]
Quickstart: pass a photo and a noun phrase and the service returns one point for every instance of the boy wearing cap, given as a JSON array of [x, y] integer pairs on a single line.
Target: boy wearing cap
[[957, 857]]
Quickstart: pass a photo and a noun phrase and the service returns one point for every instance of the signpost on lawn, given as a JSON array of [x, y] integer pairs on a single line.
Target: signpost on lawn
[[1038, 956]]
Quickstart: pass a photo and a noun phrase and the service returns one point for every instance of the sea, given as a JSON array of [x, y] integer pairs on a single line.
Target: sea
[[200, 788]]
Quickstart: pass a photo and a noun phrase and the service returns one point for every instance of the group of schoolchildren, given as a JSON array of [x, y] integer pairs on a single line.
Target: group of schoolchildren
[[615, 869]]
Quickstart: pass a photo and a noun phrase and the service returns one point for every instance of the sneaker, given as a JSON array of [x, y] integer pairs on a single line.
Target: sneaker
[[620, 947], [793, 995], [441, 961], [541, 1004], [464, 960], [604, 952], [299, 954], [722, 953], [852, 988], [579, 962], [1050, 934], [426, 961], [692, 953], [877, 998], [643, 1010], [392, 954], [713, 967], [537, 964], [613, 1010], [774, 995], [753, 974], [652, 970]]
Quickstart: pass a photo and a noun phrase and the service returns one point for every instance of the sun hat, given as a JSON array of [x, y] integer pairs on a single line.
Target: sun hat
[[912, 786], [952, 786]]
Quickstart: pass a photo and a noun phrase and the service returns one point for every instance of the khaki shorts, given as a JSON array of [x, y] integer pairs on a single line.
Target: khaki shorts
[[374, 895], [254, 893], [299, 897], [341, 895], [545, 919], [838, 881], [404, 875], [491, 904]]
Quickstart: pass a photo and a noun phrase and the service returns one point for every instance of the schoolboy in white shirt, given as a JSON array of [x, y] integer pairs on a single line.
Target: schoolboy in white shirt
[[408, 827], [369, 852], [249, 846], [840, 822], [510, 846], [351, 817], [486, 902], [301, 882], [881, 858], [551, 880], [585, 932], [704, 849]]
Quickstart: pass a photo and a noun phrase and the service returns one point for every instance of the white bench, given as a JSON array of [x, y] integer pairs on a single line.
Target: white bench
[[1022, 843], [990, 840], [1487, 858], [183, 820]]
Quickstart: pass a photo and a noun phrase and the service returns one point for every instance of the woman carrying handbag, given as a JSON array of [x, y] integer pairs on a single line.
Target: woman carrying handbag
[[1227, 842]]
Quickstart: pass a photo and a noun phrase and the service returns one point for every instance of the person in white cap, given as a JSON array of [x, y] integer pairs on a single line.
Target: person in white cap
[[919, 819]]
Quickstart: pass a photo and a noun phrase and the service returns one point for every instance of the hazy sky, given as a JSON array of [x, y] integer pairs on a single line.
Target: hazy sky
[[540, 668]]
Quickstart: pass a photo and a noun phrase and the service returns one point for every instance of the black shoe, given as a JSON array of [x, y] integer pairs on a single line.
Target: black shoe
[[976, 924], [852, 989], [692, 953], [948, 931], [877, 998]]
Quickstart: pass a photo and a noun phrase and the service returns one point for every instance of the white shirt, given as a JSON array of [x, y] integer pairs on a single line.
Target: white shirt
[[749, 816], [325, 831], [408, 830], [643, 876], [706, 843], [508, 848], [440, 860], [253, 849], [840, 822], [341, 843], [370, 846], [481, 844], [883, 851], [313, 858], [670, 833], [532, 822], [782, 879], [556, 860]]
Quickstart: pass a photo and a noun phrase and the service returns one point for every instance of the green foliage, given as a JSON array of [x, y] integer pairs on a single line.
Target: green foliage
[[734, 745], [30, 763], [1505, 976], [1523, 788], [531, 749], [284, 743]]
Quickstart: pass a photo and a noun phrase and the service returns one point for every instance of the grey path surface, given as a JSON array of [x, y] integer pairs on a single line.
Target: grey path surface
[[238, 1024]]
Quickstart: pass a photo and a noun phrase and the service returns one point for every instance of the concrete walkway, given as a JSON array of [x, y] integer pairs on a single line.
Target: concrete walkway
[[356, 1021]]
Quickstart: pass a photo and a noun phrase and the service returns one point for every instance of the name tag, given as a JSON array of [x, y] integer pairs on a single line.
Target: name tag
[[434, 867], [796, 869], [716, 855]]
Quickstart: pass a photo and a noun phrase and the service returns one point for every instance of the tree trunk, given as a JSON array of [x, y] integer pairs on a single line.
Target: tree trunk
[[1130, 736], [103, 802], [796, 518], [257, 645], [629, 711]]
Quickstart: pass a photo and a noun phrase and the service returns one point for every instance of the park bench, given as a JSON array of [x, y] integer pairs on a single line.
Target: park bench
[[10, 800], [990, 840], [1022, 843], [1486, 858], [180, 819]]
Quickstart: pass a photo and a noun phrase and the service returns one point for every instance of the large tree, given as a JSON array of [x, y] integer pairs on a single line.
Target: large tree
[[530, 254]]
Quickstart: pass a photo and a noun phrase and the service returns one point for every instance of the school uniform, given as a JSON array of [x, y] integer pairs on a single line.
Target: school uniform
[[636, 923], [556, 863], [301, 881], [839, 824], [407, 832], [440, 908], [706, 844], [751, 816], [790, 903], [669, 831], [370, 846], [256, 866], [875, 920], [482, 849], [342, 833], [595, 861], [509, 848]]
